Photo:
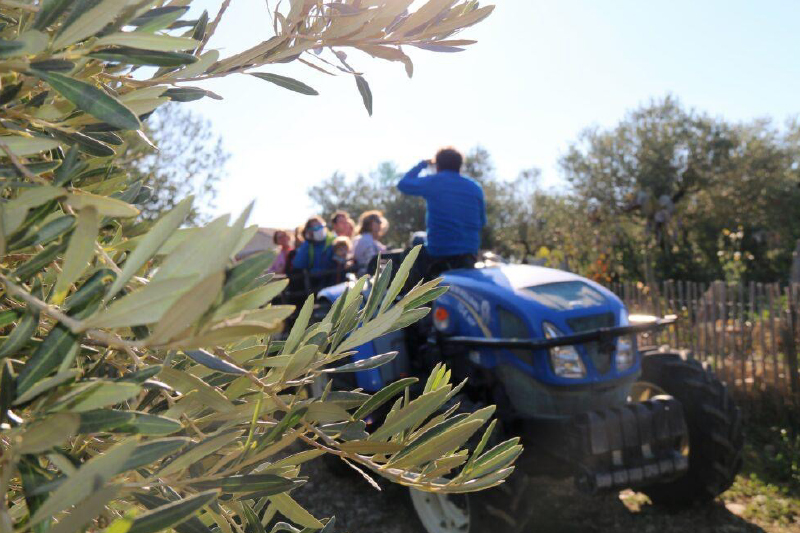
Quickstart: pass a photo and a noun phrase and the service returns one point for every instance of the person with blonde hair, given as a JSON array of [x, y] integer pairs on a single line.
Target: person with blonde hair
[[372, 225]]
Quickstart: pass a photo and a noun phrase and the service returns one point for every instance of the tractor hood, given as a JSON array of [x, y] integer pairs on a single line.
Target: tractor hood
[[516, 301], [533, 292], [515, 277]]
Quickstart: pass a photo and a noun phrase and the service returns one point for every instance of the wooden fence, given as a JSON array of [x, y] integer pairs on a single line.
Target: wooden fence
[[748, 332]]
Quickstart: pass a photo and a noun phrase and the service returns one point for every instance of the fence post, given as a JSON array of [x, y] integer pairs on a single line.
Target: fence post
[[774, 336], [683, 337], [744, 337], [791, 345], [693, 330]]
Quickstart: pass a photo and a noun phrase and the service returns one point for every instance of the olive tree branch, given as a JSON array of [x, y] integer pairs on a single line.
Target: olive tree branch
[[16, 162], [75, 326], [213, 26]]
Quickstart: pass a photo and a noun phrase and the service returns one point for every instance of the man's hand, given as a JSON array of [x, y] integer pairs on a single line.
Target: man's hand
[[424, 163]]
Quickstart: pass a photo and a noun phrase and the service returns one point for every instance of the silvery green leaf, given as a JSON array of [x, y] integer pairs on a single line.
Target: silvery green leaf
[[378, 290], [383, 396], [48, 432], [171, 514], [400, 278], [213, 362], [299, 327], [292, 510], [83, 513], [46, 358], [250, 483], [371, 330], [89, 478], [149, 452], [151, 242], [79, 252], [364, 364], [86, 18], [412, 414]]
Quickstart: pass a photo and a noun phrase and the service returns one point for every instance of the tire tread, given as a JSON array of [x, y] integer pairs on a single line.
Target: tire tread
[[715, 429]]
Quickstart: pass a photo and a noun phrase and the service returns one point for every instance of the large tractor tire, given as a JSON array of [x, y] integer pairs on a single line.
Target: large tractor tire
[[714, 423]]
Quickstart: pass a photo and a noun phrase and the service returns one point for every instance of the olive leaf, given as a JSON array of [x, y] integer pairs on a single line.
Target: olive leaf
[[147, 41], [151, 242], [366, 93], [79, 252], [85, 19], [89, 478], [89, 98], [171, 514], [286, 82]]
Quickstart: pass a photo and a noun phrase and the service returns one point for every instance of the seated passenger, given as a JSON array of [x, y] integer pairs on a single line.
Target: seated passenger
[[342, 224], [372, 225], [316, 252], [341, 257], [283, 241]]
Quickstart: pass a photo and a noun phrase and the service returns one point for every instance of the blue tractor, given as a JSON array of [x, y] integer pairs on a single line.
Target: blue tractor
[[558, 355]]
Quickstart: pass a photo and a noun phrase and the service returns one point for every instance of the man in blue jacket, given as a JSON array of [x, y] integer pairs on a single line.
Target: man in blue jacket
[[456, 213]]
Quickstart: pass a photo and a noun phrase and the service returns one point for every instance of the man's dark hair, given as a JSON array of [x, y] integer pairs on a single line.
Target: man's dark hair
[[449, 159]]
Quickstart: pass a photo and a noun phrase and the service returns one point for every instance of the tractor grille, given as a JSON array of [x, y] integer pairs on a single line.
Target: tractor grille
[[531, 399], [585, 323], [602, 357]]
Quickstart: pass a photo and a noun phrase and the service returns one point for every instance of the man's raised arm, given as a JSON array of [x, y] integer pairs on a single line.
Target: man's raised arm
[[411, 183]]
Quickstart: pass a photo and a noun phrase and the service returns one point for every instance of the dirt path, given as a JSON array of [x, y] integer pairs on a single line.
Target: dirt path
[[549, 505]]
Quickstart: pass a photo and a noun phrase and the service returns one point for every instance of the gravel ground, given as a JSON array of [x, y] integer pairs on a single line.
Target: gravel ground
[[547, 506]]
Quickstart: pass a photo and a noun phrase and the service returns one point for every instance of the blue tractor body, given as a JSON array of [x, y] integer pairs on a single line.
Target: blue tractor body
[[557, 353], [516, 301]]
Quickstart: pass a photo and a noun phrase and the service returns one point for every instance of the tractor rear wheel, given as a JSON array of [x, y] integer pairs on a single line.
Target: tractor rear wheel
[[715, 429]]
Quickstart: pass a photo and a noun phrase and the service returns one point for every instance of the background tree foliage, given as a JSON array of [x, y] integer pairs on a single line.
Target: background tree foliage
[[678, 182], [145, 379], [189, 160], [668, 193]]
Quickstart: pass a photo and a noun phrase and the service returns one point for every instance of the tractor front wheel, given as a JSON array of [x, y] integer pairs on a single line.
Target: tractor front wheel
[[503, 508], [714, 423]]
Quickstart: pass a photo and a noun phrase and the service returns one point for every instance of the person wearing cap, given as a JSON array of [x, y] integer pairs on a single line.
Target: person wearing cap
[[456, 212]]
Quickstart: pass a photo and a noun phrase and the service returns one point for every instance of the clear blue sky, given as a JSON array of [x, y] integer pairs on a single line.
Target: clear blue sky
[[541, 72]]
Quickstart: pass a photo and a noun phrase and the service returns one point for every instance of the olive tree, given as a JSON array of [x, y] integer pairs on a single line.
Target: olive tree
[[145, 380]]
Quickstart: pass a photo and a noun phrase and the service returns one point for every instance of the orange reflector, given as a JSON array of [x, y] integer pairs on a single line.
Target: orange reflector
[[441, 314]]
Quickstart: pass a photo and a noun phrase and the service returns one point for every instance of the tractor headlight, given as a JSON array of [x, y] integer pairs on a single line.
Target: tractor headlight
[[565, 360], [626, 354]]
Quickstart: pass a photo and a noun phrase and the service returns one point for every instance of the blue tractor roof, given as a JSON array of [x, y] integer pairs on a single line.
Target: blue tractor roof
[[541, 291], [514, 277]]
